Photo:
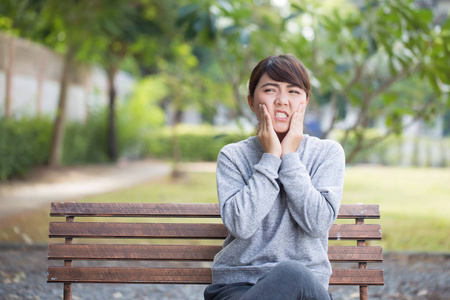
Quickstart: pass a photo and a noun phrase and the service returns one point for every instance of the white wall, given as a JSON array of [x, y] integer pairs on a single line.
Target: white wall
[[88, 86]]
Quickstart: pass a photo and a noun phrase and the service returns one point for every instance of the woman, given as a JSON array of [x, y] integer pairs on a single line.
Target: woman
[[279, 193]]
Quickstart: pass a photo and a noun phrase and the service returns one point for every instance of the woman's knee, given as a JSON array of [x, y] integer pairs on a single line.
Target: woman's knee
[[293, 270]]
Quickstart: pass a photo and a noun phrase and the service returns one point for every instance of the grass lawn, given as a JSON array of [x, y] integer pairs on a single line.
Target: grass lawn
[[415, 204]]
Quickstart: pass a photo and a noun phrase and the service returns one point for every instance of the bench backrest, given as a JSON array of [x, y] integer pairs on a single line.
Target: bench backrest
[[206, 226]]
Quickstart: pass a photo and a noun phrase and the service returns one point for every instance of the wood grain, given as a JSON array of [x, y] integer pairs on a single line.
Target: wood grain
[[186, 230], [187, 252], [184, 275], [189, 210]]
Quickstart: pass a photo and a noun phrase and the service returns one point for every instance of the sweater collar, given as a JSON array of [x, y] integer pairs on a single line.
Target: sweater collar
[[257, 144]]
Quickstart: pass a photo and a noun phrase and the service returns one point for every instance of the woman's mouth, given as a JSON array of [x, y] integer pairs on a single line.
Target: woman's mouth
[[281, 115]]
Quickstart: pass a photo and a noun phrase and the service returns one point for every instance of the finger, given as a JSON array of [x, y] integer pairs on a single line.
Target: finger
[[300, 113], [261, 119], [296, 124], [268, 121], [301, 109]]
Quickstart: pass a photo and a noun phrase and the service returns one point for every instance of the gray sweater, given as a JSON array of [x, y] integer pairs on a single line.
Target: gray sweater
[[277, 209]]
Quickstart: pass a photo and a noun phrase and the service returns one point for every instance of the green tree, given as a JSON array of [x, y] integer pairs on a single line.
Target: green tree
[[357, 57], [66, 26], [98, 31], [239, 33], [72, 28], [123, 27]]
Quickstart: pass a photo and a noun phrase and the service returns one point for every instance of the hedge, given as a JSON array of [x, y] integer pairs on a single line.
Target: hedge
[[193, 146], [24, 143]]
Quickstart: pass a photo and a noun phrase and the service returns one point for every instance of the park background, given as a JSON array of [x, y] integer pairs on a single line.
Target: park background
[[107, 84]]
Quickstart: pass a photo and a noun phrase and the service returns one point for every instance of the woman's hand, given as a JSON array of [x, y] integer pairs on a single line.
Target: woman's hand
[[294, 136], [266, 134]]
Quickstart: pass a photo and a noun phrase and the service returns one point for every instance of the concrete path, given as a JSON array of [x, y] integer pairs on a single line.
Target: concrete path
[[69, 183]]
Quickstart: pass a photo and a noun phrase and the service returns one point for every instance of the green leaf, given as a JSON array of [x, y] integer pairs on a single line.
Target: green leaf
[[201, 22], [342, 106], [343, 68], [244, 37], [212, 28], [187, 13], [298, 8], [229, 30]]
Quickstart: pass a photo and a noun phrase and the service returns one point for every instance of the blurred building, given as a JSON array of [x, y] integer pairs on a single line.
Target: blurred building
[[31, 72]]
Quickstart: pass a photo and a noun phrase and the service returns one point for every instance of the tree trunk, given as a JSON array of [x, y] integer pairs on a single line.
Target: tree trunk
[[87, 92], [57, 142], [40, 80], [112, 136], [9, 75], [176, 151]]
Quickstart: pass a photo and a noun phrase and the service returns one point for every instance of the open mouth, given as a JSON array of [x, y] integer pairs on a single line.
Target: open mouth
[[281, 115]]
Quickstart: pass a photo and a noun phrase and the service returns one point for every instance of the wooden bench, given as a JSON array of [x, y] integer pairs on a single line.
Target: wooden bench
[[93, 247]]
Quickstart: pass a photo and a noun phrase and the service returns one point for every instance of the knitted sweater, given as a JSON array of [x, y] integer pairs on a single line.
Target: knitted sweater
[[277, 209]]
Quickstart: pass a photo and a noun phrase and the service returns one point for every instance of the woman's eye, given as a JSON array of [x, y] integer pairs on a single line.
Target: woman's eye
[[269, 90]]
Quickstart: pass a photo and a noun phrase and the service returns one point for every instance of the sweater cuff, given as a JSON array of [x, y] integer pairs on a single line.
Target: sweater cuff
[[290, 161], [270, 164]]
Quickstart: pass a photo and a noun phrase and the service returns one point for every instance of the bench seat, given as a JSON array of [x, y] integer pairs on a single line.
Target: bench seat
[[191, 233]]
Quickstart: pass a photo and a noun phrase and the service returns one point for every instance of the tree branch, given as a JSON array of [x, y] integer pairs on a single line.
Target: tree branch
[[417, 117], [334, 117], [363, 115]]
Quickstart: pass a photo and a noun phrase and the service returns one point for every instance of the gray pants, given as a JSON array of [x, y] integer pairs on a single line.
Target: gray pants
[[289, 280]]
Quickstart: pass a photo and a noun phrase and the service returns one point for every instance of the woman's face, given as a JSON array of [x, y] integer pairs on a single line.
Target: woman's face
[[282, 99]]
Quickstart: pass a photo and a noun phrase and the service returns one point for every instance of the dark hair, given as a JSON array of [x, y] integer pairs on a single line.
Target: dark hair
[[282, 68]]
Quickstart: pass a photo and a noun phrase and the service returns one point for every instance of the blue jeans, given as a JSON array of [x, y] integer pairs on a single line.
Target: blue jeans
[[288, 280]]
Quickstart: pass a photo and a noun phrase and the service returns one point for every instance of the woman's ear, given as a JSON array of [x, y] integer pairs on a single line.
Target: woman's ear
[[250, 103]]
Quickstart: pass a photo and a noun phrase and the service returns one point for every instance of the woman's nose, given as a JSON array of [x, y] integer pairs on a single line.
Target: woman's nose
[[282, 99]]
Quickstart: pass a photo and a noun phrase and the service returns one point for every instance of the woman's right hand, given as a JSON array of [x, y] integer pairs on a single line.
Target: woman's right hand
[[266, 134]]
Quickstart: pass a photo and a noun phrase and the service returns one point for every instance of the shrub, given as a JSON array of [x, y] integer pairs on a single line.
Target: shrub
[[24, 143], [196, 143], [86, 142]]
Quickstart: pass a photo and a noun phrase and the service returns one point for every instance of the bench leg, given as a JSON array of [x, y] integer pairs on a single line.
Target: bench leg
[[364, 292], [68, 263], [363, 289], [67, 291]]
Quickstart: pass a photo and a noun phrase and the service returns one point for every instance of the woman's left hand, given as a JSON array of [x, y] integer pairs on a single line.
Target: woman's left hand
[[294, 136]]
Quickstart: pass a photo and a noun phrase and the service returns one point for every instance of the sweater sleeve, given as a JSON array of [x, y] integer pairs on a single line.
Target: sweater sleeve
[[314, 199], [245, 203]]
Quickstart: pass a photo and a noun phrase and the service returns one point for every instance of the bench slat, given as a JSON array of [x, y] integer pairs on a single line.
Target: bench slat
[[183, 230], [137, 230], [187, 252], [80, 209], [357, 277], [346, 211], [355, 232], [364, 211], [129, 275], [184, 276], [355, 253], [132, 252]]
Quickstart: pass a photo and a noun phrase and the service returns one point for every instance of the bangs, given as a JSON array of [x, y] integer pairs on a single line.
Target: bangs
[[283, 71], [281, 68]]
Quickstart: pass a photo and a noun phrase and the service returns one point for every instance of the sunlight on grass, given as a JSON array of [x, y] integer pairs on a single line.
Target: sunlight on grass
[[414, 205], [194, 188]]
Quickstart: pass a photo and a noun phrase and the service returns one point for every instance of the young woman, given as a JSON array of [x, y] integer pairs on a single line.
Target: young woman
[[279, 193]]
